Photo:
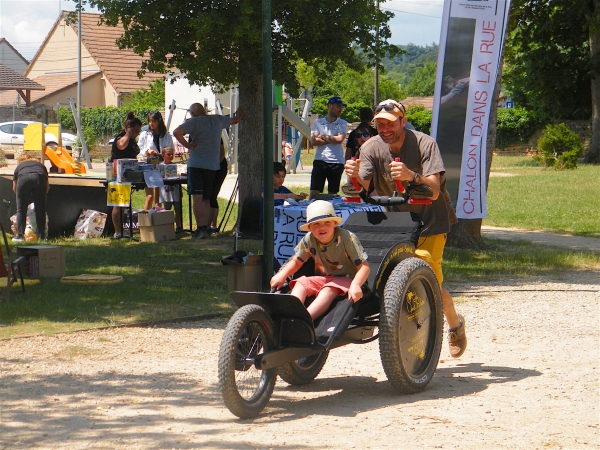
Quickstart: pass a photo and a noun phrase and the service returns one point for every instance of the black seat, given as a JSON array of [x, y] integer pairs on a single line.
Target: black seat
[[378, 232], [249, 223]]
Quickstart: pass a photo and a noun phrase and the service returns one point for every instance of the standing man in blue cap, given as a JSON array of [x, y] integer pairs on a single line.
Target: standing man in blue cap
[[327, 135]]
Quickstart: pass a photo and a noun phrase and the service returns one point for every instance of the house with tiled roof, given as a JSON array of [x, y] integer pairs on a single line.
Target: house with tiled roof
[[107, 72], [11, 58], [426, 102]]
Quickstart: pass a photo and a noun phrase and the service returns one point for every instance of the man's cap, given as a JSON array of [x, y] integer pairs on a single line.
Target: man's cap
[[390, 110], [336, 101], [318, 211]]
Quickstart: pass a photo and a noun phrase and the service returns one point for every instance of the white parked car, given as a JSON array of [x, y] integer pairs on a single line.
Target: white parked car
[[11, 138]]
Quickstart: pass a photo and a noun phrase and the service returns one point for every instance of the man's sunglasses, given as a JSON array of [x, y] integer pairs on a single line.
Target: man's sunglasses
[[389, 107], [361, 135]]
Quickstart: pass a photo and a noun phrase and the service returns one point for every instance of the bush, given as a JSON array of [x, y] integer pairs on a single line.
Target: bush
[[419, 117], [515, 125], [559, 147], [105, 122]]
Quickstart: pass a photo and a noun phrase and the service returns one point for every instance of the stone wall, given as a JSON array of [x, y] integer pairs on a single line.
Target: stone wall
[[582, 127], [41, 113]]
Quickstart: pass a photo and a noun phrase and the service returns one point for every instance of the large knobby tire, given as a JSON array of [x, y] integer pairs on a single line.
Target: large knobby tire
[[303, 371], [245, 389], [410, 326]]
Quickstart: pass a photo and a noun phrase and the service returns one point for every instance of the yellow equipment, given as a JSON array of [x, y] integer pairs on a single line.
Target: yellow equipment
[[34, 135]]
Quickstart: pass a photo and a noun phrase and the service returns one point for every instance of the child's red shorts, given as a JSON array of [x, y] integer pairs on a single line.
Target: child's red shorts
[[314, 284]]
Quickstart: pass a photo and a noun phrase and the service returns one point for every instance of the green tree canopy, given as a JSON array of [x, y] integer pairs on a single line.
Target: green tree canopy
[[149, 99], [220, 44], [356, 87], [552, 59], [547, 58], [423, 81]]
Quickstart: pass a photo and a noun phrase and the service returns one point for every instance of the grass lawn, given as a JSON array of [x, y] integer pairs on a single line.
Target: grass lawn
[[521, 194], [185, 277]]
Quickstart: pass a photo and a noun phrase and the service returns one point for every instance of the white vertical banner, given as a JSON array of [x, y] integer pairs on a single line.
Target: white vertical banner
[[470, 48]]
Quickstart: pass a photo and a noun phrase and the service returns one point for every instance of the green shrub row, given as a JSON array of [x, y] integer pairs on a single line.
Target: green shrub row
[[516, 126], [101, 122]]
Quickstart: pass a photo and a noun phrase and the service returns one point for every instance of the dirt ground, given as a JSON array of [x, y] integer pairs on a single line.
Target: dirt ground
[[529, 380]]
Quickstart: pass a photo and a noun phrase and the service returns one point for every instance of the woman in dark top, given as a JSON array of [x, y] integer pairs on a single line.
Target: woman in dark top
[[30, 185], [125, 146]]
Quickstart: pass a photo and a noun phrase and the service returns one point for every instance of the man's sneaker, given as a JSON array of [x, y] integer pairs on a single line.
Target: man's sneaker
[[200, 233], [213, 231], [18, 238], [117, 236], [457, 339]]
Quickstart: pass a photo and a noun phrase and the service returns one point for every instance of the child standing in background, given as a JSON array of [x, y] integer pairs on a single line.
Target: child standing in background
[[280, 191], [170, 196]]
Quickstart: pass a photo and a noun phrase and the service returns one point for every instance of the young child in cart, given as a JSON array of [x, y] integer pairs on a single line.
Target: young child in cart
[[341, 265]]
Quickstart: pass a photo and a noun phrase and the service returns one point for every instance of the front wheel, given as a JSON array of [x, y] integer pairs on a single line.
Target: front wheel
[[246, 390], [304, 370], [411, 321]]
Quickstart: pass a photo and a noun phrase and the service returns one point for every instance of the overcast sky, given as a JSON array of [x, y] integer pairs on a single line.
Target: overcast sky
[[25, 23]]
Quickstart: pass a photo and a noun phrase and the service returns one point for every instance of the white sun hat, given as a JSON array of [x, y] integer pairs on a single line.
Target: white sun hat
[[318, 211]]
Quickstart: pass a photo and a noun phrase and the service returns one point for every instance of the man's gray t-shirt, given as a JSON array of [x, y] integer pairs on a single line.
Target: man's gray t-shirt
[[205, 131], [420, 153]]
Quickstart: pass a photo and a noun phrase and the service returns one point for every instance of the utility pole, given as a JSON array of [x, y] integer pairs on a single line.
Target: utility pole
[[376, 90], [267, 66], [79, 62]]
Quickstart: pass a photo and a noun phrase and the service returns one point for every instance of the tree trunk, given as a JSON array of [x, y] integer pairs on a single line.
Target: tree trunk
[[467, 232], [251, 147], [593, 154]]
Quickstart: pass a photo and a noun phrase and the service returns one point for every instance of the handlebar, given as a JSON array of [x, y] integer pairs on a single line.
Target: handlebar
[[398, 182]]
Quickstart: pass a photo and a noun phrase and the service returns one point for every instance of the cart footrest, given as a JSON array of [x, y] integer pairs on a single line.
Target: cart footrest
[[335, 322]]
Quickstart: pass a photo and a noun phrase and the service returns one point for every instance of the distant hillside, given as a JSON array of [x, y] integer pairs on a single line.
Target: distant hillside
[[402, 68]]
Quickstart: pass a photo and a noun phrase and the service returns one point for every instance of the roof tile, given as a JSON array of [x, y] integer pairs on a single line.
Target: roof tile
[[119, 66], [9, 79]]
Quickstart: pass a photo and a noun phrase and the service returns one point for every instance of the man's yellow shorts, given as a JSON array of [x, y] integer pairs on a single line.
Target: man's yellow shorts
[[431, 249]]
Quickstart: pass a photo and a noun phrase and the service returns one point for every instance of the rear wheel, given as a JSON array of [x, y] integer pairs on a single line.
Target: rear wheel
[[410, 327], [304, 370], [245, 389]]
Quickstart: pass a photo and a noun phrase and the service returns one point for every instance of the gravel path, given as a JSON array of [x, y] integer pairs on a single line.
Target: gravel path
[[529, 379]]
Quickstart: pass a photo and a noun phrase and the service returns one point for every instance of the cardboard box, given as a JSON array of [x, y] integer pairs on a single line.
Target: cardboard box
[[157, 233], [153, 218], [43, 261], [247, 277]]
